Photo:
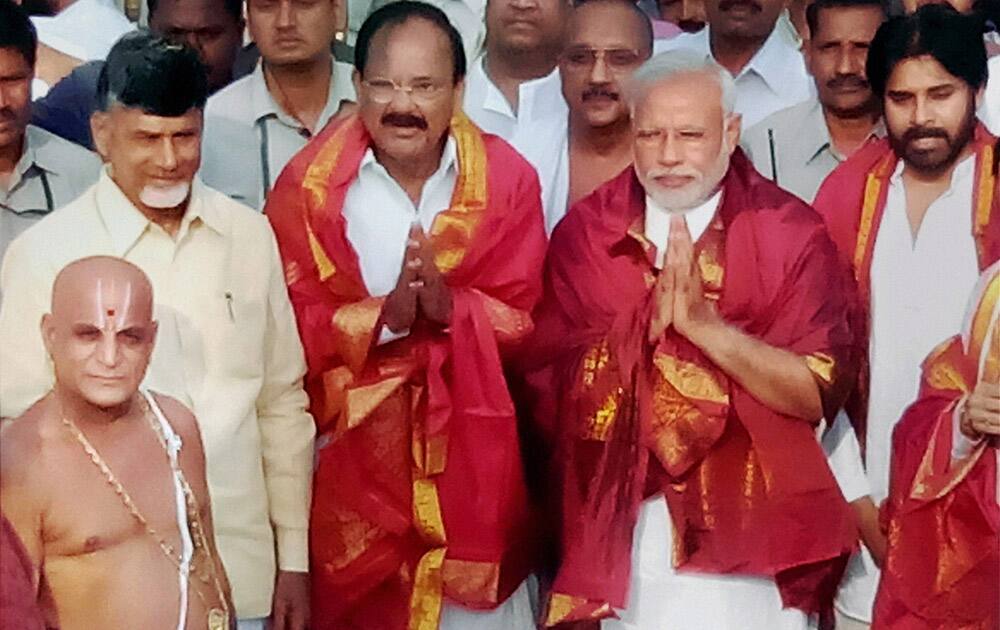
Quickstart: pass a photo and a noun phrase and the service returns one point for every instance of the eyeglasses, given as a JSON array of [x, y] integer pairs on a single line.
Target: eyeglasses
[[617, 59], [384, 90]]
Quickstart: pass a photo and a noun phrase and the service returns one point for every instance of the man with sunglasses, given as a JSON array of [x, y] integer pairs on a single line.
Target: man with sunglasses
[[606, 40], [38, 171], [413, 244]]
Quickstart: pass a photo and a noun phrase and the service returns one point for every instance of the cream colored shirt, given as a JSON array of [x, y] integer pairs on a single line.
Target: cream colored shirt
[[227, 348]]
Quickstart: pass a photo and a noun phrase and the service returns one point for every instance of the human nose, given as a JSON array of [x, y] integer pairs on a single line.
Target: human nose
[[107, 351], [599, 72], [922, 111], [167, 154], [669, 154], [286, 17]]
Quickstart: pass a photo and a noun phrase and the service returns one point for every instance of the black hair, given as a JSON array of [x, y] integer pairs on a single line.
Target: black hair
[[396, 13], [812, 11], [938, 30], [630, 5], [148, 72], [233, 7], [17, 31]]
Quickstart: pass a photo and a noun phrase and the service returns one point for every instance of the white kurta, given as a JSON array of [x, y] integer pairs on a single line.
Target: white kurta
[[661, 597], [919, 290], [379, 214]]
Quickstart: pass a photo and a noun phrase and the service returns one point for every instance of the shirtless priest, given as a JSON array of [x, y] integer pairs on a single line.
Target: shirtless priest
[[104, 482]]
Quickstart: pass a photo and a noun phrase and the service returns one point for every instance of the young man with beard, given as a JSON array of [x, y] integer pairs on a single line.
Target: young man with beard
[[743, 37], [917, 217], [412, 244], [227, 347], [606, 41], [692, 334], [799, 146]]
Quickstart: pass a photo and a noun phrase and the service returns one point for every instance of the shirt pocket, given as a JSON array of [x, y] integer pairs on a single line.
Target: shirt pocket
[[240, 332]]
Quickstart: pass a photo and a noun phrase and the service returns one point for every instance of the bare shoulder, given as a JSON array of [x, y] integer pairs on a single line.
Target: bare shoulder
[[182, 421], [26, 443]]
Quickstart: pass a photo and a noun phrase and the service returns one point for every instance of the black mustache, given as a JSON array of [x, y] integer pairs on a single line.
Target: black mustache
[[725, 5], [596, 92], [404, 120], [847, 80], [6, 113], [917, 133]]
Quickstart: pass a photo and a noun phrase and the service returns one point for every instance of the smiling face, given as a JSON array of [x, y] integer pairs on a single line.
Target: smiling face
[[409, 123], [605, 44], [100, 333], [683, 140], [930, 114], [153, 159]]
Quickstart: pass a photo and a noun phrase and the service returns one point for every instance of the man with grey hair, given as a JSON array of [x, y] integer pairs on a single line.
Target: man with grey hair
[[692, 335]]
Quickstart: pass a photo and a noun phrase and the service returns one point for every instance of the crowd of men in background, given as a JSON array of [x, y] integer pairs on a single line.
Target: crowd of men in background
[[500, 315]]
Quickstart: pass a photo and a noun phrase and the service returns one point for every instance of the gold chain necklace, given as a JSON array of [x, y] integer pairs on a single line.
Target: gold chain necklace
[[218, 619]]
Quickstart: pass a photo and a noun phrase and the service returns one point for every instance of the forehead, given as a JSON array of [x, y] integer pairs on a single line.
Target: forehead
[[13, 63], [919, 73], [95, 300], [685, 99], [848, 23], [134, 119], [191, 14], [603, 24], [415, 48]]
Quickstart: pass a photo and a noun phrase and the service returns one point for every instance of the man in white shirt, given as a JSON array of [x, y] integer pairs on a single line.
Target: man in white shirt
[[412, 244], [799, 146], [39, 172], [515, 83], [742, 37], [255, 125], [606, 41], [916, 217], [227, 346]]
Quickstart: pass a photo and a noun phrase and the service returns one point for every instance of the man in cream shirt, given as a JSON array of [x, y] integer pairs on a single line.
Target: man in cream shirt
[[227, 347], [254, 126]]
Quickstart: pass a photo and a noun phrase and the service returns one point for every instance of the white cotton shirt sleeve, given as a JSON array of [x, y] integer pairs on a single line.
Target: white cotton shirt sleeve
[[843, 452]]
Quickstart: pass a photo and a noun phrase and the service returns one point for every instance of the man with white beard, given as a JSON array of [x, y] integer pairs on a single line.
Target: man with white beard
[[692, 334], [227, 345]]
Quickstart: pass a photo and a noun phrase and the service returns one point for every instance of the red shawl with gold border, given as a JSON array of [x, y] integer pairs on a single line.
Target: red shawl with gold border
[[942, 568], [419, 492], [749, 490]]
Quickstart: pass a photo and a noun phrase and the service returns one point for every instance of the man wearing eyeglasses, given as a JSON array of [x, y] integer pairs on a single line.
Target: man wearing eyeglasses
[[412, 244], [38, 171], [606, 41]]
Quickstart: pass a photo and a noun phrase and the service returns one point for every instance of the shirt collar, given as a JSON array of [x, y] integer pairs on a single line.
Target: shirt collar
[[494, 100], [263, 104], [962, 171], [816, 134], [449, 159], [773, 62], [126, 224]]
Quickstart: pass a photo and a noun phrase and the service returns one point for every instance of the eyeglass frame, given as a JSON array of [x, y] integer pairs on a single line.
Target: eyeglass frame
[[409, 90], [601, 54]]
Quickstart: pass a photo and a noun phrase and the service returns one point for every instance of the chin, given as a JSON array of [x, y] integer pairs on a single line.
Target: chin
[[108, 396]]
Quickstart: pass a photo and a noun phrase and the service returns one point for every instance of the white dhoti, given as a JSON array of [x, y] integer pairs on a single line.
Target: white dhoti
[[514, 614], [661, 598]]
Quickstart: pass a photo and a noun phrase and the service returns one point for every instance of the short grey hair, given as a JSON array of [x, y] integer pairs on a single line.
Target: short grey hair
[[667, 65]]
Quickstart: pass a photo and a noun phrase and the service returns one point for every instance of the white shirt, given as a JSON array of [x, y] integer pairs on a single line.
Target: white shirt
[[547, 149], [248, 138], [86, 29], [919, 291], [657, 223], [990, 111], [227, 347], [538, 101], [775, 78]]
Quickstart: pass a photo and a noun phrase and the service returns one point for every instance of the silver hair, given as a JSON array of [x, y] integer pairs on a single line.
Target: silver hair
[[667, 65]]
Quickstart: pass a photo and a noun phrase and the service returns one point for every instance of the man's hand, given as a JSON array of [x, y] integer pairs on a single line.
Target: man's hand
[[981, 415], [400, 308], [290, 609], [663, 306], [866, 518], [434, 294], [693, 315]]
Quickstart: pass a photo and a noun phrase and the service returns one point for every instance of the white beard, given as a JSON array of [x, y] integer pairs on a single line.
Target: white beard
[[161, 198]]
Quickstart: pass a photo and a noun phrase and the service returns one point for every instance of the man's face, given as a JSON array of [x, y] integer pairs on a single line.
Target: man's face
[[604, 46], [205, 26], [962, 6], [100, 336], [408, 125], [930, 114], [836, 56], [689, 15], [15, 96], [682, 140], [743, 19], [153, 159], [293, 31], [525, 25]]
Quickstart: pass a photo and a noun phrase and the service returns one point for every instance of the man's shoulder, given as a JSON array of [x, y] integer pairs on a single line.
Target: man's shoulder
[[69, 157], [23, 441], [240, 217], [181, 419], [850, 176], [499, 151], [232, 101], [787, 121], [68, 224], [602, 215]]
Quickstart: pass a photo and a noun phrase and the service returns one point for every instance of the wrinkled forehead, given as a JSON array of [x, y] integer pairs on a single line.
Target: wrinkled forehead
[[112, 302], [682, 99]]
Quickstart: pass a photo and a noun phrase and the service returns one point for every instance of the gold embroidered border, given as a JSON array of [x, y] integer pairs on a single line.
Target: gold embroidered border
[[427, 512], [354, 328], [472, 582], [873, 190], [984, 197], [599, 424], [691, 380], [426, 598], [566, 608]]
